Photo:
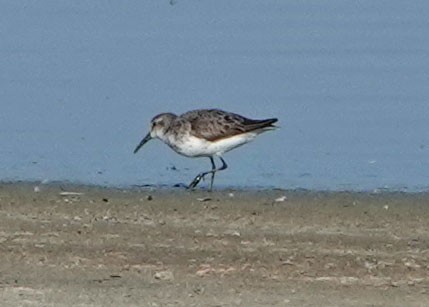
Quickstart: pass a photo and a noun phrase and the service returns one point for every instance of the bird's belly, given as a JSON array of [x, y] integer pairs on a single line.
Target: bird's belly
[[197, 147]]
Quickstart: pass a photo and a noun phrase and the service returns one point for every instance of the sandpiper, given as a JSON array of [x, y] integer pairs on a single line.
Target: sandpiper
[[205, 133]]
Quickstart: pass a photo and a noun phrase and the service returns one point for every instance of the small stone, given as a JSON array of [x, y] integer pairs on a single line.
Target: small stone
[[66, 193], [280, 199], [205, 270], [164, 275]]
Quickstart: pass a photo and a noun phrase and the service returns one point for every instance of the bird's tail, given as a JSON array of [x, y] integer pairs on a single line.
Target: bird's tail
[[261, 124]]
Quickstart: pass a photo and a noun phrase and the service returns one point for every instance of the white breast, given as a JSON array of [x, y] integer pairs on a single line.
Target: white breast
[[195, 147]]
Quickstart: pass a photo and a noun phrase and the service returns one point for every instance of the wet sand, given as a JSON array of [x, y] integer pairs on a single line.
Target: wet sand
[[143, 247]]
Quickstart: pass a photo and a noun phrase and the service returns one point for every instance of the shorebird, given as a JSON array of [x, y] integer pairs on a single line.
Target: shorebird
[[205, 133]]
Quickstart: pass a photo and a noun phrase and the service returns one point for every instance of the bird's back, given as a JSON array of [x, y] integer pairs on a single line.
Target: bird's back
[[215, 124]]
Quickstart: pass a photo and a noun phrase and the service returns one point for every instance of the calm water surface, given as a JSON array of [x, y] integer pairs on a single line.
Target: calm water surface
[[348, 81]]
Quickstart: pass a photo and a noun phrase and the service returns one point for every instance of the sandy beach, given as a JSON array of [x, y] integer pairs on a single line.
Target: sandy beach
[[71, 245]]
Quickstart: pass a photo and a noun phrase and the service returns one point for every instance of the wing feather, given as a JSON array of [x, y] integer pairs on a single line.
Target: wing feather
[[215, 124]]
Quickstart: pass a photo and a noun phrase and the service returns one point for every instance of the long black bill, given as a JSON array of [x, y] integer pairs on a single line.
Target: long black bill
[[144, 141]]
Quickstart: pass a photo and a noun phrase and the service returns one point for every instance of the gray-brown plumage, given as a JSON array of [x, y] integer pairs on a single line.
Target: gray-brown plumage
[[215, 124], [205, 133]]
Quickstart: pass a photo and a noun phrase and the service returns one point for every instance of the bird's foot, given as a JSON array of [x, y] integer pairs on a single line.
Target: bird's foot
[[196, 181]]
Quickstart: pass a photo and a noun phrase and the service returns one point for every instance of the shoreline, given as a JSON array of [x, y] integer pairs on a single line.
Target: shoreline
[[202, 188]]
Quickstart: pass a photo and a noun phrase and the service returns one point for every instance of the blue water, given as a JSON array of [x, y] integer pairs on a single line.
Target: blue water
[[348, 80]]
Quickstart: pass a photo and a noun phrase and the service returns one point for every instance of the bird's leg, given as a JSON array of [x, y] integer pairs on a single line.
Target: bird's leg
[[196, 181], [214, 170], [213, 173], [200, 176]]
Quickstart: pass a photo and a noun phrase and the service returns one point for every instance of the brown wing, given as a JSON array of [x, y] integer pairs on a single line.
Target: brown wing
[[215, 124]]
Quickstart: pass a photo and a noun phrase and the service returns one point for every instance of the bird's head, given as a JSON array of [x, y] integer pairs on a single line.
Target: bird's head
[[158, 127]]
